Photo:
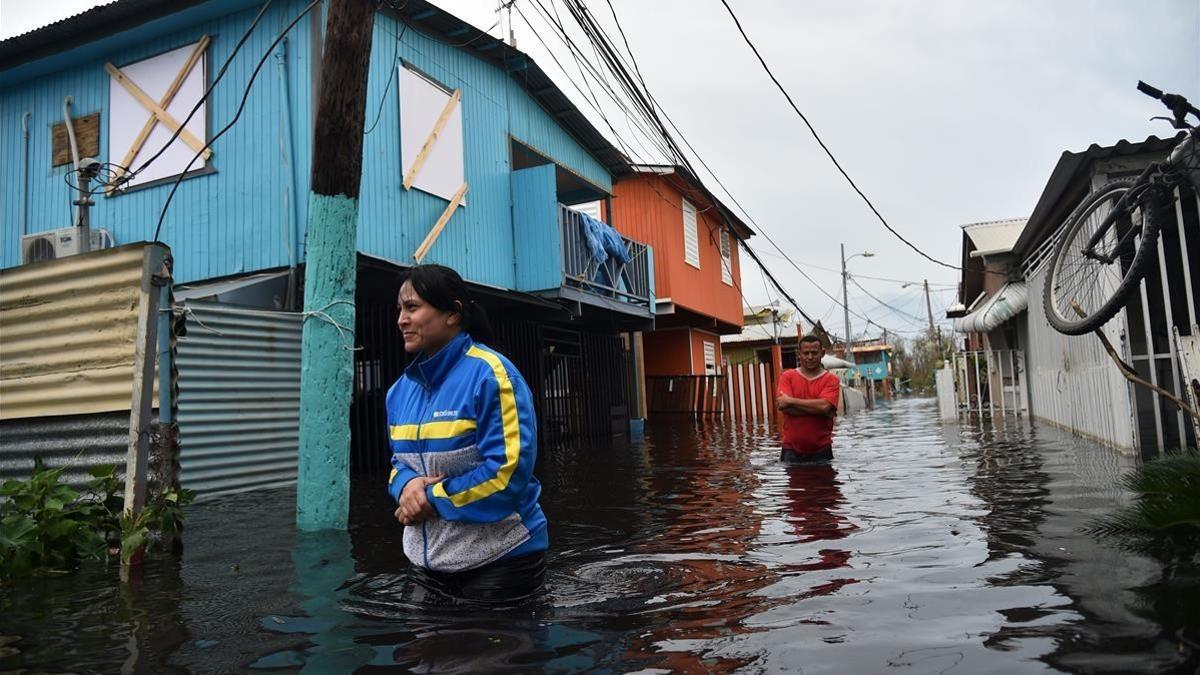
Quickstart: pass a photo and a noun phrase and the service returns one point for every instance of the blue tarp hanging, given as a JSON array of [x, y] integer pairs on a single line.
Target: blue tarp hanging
[[604, 243]]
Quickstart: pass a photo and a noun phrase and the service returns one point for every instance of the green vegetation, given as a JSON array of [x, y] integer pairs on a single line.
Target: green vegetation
[[47, 527], [1164, 517], [915, 361]]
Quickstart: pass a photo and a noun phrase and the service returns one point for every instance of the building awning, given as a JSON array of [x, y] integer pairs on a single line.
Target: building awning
[[1008, 302]]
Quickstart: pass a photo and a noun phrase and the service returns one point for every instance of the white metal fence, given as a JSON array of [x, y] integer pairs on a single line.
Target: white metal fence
[[989, 382]]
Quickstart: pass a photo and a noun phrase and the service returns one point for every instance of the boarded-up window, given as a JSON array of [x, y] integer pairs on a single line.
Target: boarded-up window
[[710, 358], [726, 259], [422, 104], [691, 239], [173, 82]]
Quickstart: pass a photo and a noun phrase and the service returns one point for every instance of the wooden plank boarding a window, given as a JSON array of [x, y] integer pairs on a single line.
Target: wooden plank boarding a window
[[163, 103], [87, 135], [163, 116], [431, 139], [440, 224]]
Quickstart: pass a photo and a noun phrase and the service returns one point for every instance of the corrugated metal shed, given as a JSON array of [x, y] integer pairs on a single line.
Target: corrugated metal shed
[[239, 398], [69, 327], [996, 236]]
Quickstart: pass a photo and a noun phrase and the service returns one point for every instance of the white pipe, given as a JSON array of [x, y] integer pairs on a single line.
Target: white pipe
[[25, 173], [70, 130], [74, 148]]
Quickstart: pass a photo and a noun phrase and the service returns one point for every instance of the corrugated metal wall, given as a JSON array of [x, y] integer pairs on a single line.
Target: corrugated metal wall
[[67, 333], [1072, 382], [77, 441], [239, 398], [234, 220]]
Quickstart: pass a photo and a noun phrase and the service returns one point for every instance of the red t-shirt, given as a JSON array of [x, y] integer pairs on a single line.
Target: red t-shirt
[[809, 433]]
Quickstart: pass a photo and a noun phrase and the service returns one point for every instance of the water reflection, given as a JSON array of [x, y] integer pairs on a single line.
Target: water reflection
[[921, 548]]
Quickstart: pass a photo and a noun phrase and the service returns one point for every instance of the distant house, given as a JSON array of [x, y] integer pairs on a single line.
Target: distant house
[[991, 295], [513, 153]]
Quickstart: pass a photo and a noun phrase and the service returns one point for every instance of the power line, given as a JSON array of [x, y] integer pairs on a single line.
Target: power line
[[237, 115], [129, 175], [826, 148], [641, 98], [881, 302]]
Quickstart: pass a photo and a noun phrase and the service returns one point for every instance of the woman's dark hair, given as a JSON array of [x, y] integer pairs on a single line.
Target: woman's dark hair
[[443, 288]]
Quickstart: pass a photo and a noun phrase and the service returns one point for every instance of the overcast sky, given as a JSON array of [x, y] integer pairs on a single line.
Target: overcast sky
[[944, 112]]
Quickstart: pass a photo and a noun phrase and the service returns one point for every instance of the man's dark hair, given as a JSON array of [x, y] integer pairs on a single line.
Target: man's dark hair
[[812, 338]]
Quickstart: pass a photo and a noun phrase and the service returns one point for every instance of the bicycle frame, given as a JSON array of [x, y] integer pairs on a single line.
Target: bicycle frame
[[1124, 205]]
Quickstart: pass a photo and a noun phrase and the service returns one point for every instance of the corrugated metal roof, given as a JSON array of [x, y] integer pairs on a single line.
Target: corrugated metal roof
[[1066, 175], [1009, 301], [995, 236], [69, 327], [84, 27]]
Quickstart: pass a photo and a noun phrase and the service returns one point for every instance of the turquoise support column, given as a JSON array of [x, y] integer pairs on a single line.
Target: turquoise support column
[[327, 364]]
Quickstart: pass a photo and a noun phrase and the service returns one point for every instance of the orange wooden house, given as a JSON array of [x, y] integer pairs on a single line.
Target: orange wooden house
[[697, 272]]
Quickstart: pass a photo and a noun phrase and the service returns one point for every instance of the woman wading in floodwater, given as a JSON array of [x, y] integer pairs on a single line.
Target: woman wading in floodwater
[[463, 441]]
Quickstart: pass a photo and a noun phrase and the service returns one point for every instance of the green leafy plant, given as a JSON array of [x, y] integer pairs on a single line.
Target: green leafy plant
[[47, 527], [1165, 513]]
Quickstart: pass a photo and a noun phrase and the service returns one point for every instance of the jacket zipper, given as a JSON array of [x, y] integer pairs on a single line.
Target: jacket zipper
[[424, 468]]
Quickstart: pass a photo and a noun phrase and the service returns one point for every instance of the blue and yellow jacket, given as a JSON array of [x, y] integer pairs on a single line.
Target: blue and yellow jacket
[[466, 413]]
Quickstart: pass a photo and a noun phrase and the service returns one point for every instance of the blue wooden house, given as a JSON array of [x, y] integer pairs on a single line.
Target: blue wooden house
[[149, 84]]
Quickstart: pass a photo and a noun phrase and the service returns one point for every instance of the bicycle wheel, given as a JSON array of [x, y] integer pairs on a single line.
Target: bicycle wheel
[[1100, 288]]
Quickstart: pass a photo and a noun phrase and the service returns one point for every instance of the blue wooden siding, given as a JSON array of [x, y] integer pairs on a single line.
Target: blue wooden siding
[[230, 221], [535, 226], [479, 239], [240, 217]]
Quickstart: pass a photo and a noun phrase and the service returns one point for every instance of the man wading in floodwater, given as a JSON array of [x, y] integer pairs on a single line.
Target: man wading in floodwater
[[808, 398]]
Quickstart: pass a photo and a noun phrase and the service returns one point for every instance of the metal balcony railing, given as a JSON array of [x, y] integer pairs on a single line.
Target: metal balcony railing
[[628, 282]]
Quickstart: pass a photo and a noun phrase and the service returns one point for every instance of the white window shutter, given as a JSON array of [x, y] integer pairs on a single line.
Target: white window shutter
[[726, 259], [691, 239]]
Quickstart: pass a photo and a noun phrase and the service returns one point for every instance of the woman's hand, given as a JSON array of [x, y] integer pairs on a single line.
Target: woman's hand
[[414, 507]]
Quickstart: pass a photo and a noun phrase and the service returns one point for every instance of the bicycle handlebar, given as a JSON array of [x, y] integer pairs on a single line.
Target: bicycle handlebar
[[1149, 91], [1178, 105]]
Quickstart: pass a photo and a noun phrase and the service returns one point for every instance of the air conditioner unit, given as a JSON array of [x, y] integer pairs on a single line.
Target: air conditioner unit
[[60, 243]]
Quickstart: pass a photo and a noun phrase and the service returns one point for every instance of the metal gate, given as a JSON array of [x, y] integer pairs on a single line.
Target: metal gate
[[991, 382], [580, 381]]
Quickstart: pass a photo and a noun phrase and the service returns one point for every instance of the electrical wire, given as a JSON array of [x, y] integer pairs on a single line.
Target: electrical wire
[[129, 175], [824, 147], [242, 106]]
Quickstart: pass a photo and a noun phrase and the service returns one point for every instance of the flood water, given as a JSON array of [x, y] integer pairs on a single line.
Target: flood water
[[923, 548]]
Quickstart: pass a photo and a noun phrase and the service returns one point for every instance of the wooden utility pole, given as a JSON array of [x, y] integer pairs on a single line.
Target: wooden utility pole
[[327, 362], [933, 330]]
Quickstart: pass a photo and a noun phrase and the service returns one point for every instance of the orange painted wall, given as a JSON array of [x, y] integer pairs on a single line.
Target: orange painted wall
[[649, 208], [699, 337], [666, 352]]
